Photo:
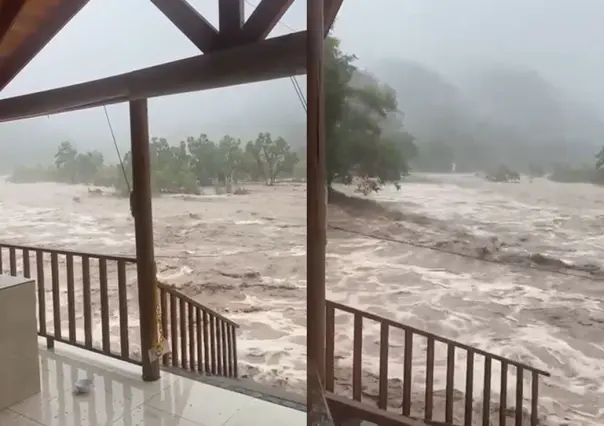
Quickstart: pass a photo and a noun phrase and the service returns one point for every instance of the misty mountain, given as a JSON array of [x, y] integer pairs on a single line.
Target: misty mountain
[[500, 116]]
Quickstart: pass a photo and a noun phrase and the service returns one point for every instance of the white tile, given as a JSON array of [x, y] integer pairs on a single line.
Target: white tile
[[112, 394], [10, 418], [149, 416], [199, 402], [260, 412]]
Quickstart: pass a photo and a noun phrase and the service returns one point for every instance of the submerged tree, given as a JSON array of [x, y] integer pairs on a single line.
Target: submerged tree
[[271, 157], [358, 108]]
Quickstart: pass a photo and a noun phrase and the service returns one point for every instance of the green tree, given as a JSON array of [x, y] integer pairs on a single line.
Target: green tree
[[230, 159], [65, 161], [271, 157], [600, 159], [355, 115], [204, 158], [88, 165]]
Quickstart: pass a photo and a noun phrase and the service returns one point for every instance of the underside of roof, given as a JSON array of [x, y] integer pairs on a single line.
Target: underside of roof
[[26, 26]]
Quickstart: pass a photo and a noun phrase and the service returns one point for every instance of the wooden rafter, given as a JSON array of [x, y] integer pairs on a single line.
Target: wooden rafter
[[191, 23], [231, 16], [332, 7], [277, 57], [263, 19], [8, 12], [14, 63]]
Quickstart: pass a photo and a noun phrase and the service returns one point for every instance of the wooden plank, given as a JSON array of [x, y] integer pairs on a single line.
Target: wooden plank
[[344, 409], [315, 209], [263, 19], [270, 59], [143, 230], [61, 15], [332, 7], [383, 384], [9, 10], [231, 16], [122, 294], [190, 22]]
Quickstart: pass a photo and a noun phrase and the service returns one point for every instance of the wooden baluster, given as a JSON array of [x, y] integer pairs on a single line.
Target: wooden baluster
[[71, 299], [212, 344], [122, 295], [330, 331], [357, 357], [450, 383], [229, 350], [104, 294], [198, 323], [429, 405], [41, 292], [206, 344], [469, 388], [12, 259], [408, 373], [163, 306], [183, 334], [486, 395], [219, 346], [56, 294], [234, 345], [26, 264], [87, 301], [192, 340], [225, 370], [534, 399], [503, 393], [174, 327], [519, 397], [383, 385]]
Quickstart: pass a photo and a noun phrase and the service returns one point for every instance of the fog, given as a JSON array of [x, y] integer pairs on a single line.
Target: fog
[[548, 50]]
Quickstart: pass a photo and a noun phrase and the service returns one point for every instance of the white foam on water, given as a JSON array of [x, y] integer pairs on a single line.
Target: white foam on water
[[549, 321]]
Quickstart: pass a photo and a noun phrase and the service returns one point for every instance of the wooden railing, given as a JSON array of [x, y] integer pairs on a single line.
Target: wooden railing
[[78, 291], [91, 301], [469, 354], [201, 340]]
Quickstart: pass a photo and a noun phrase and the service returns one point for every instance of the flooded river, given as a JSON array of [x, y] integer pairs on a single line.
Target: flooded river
[[245, 255]]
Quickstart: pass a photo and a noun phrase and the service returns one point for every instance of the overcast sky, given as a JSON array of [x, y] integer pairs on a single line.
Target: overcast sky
[[562, 39]]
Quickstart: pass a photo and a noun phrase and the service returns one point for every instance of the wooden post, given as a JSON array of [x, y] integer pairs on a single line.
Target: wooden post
[[315, 206], [143, 228]]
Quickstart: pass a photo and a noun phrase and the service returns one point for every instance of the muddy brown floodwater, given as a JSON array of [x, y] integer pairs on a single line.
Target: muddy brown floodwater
[[244, 255]]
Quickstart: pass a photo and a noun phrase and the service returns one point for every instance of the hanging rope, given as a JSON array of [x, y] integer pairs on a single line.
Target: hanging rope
[[119, 156]]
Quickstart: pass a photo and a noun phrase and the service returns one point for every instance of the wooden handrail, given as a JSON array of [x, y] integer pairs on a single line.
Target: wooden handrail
[[195, 303], [127, 259], [427, 334], [407, 373], [202, 339]]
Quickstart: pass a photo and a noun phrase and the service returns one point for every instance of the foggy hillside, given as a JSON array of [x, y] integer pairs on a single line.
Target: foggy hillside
[[501, 115]]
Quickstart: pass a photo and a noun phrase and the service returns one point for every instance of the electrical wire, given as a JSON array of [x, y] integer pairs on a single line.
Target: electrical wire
[[117, 149], [293, 79]]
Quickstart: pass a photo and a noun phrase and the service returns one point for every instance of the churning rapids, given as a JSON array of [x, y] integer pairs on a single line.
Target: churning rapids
[[244, 255]]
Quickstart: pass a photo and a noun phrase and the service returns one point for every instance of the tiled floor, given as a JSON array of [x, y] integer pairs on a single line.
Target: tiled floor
[[120, 397]]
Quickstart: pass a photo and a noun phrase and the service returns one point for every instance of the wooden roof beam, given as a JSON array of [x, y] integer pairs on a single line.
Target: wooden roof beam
[[263, 19], [191, 23], [8, 12], [277, 57], [231, 16], [332, 7], [61, 15]]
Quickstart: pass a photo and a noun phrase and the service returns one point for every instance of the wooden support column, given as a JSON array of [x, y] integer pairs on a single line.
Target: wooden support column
[[143, 228], [315, 207]]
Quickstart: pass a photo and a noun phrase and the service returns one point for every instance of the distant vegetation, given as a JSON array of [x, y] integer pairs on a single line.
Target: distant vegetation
[[179, 168], [364, 131]]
